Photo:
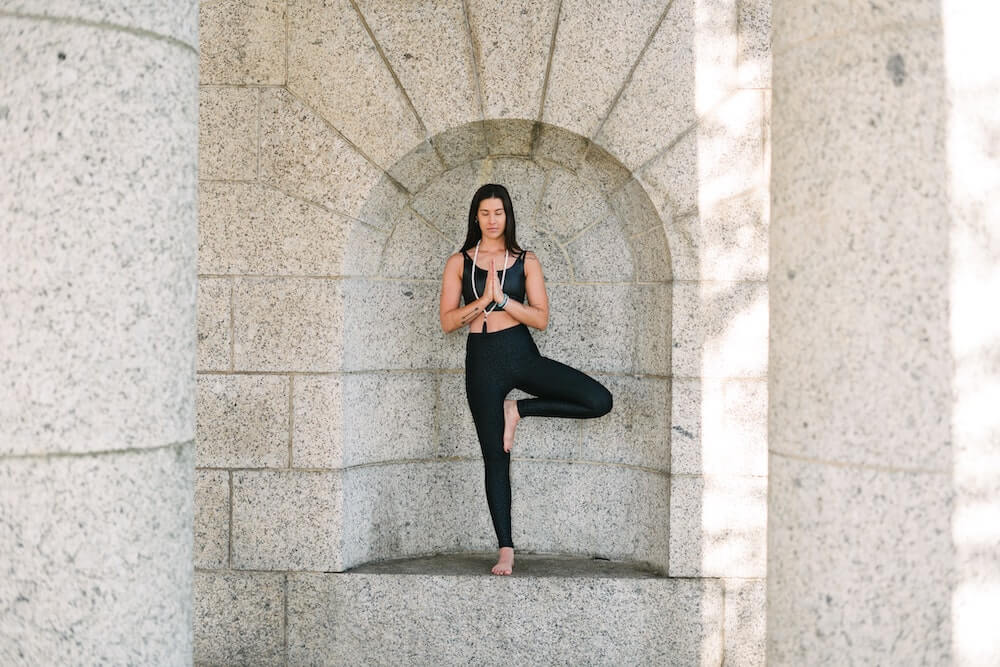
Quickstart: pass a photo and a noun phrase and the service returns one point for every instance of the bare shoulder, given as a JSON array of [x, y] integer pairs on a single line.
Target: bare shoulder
[[529, 256], [454, 264]]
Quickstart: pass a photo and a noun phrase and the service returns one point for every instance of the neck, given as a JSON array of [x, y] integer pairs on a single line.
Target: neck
[[487, 245]]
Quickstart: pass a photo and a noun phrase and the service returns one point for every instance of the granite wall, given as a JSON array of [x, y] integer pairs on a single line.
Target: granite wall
[[340, 145], [98, 243]]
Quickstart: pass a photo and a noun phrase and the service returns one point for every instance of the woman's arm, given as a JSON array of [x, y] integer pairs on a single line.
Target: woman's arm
[[454, 316], [537, 314]]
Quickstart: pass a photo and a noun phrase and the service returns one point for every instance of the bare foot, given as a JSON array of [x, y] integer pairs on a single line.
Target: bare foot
[[510, 419], [505, 564]]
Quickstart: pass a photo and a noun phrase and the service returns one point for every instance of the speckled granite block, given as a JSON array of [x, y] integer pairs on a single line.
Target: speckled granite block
[[556, 267], [719, 426], [418, 167], [720, 329], [422, 617], [602, 510], [429, 49], [554, 144], [445, 201], [601, 253], [861, 564], [731, 148], [592, 324], [461, 144], [397, 510], [213, 323], [363, 250], [227, 133], [755, 43], [512, 42], [571, 205], [732, 238], [603, 170], [637, 430], [658, 102], [302, 155], [671, 179], [456, 430], [415, 250], [242, 42], [372, 338], [388, 416], [334, 66], [317, 421], [652, 329], [632, 205], [87, 542], [288, 324], [651, 256], [746, 622], [510, 136], [287, 520], [99, 238], [596, 45], [243, 421], [718, 526], [239, 617], [248, 228], [177, 20], [211, 518]]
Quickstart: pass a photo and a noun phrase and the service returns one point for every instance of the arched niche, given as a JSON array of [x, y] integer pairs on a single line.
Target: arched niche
[[412, 475]]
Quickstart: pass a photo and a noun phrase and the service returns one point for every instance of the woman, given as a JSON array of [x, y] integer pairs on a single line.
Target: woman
[[500, 354]]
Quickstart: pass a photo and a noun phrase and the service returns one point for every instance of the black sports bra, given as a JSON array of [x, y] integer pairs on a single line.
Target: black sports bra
[[513, 282]]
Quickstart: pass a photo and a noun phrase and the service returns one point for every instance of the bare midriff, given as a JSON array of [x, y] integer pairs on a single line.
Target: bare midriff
[[498, 320]]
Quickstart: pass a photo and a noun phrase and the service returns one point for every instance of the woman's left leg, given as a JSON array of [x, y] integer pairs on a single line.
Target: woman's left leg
[[561, 390]]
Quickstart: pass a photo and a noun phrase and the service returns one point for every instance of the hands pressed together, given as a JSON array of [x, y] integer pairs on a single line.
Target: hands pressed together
[[493, 292]]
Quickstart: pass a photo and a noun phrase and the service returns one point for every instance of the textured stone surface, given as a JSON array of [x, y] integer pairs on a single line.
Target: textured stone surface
[[415, 249], [429, 48], [719, 426], [601, 253], [731, 239], [586, 324], [636, 431], [243, 421], [596, 46], [720, 329], [302, 155], [746, 622], [658, 102], [561, 620], [651, 256], [247, 228], [371, 334], [731, 148], [177, 20], [87, 542], [445, 201], [718, 526], [418, 167], [755, 43], [671, 179], [213, 323], [461, 144], [555, 144], [858, 549], [388, 416], [619, 512], [99, 235], [634, 209], [512, 41], [317, 421], [861, 273], [335, 67], [509, 137], [211, 518], [523, 180], [456, 430], [239, 617], [242, 42], [287, 324], [227, 133], [287, 520], [571, 205]]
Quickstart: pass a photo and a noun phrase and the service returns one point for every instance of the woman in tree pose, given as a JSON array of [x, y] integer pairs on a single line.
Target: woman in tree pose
[[493, 275]]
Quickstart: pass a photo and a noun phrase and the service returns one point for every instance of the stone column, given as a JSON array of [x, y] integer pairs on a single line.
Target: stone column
[[98, 235], [860, 557]]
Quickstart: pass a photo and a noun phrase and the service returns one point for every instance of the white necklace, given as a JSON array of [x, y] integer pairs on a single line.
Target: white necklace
[[472, 279]]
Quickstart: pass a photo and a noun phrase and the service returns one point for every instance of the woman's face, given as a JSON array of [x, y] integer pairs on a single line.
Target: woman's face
[[492, 218]]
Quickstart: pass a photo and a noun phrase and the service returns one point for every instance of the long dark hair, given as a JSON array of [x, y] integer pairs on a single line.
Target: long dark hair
[[475, 234]]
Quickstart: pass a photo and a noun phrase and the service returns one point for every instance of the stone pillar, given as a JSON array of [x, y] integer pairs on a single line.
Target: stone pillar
[[98, 235], [860, 558]]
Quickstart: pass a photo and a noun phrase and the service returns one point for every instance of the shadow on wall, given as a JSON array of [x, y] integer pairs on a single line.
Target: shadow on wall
[[413, 479]]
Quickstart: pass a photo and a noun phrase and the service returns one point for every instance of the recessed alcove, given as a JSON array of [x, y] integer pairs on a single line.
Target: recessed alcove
[[580, 487]]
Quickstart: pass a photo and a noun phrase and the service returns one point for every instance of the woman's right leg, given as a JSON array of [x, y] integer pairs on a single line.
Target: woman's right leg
[[561, 391]]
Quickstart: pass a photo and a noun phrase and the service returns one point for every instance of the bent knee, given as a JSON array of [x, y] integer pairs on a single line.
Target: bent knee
[[603, 403]]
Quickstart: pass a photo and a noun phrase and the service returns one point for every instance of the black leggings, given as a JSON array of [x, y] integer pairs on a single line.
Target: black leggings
[[496, 363]]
